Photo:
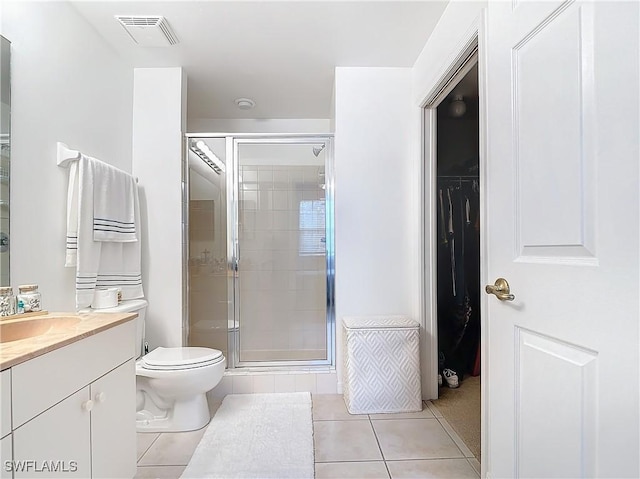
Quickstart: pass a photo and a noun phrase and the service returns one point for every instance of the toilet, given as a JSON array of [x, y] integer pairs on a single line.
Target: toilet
[[171, 383]]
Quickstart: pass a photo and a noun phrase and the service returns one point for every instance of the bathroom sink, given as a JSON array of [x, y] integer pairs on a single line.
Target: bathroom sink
[[29, 328]]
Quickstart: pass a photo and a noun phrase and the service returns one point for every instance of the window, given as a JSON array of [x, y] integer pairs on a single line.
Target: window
[[311, 228]]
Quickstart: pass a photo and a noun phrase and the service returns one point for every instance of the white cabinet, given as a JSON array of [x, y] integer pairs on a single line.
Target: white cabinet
[[5, 403], [6, 455], [73, 409], [113, 423], [5, 425], [56, 442]]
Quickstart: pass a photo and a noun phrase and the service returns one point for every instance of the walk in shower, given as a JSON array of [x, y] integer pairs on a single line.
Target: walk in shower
[[259, 249]]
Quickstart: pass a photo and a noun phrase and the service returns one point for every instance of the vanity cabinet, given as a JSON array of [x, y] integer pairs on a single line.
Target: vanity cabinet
[[73, 409], [5, 454], [113, 423], [5, 423], [60, 436]]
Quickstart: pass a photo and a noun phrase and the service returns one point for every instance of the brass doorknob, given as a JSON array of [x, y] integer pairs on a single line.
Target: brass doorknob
[[501, 289]]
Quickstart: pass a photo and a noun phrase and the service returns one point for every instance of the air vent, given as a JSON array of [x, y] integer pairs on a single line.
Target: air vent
[[148, 31]]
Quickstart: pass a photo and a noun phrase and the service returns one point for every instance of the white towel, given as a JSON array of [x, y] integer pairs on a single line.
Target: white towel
[[113, 204], [99, 264], [72, 216]]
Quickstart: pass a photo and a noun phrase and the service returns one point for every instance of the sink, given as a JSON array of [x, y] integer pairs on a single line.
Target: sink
[[29, 328]]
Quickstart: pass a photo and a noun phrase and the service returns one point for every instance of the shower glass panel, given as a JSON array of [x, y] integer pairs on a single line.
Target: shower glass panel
[[208, 290], [281, 252]]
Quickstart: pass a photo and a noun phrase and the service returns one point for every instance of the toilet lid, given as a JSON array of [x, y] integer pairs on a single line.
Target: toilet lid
[[176, 357]]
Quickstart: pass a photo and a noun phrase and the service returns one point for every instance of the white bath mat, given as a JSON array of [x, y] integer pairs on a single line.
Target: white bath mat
[[257, 436]]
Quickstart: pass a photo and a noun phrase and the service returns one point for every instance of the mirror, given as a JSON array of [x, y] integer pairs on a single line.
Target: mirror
[[5, 156]]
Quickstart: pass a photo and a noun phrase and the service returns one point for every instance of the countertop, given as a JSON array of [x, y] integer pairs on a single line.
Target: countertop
[[55, 335]]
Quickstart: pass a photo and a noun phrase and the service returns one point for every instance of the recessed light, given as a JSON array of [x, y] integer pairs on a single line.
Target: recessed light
[[245, 103]]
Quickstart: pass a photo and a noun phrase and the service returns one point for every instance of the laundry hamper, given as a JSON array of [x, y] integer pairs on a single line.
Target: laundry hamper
[[381, 371]]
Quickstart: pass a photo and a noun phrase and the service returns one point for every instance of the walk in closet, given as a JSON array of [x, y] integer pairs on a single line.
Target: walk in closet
[[458, 256], [458, 200]]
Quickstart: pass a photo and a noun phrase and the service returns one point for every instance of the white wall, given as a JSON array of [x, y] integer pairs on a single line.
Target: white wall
[[376, 209], [159, 118], [301, 125], [67, 85], [448, 37]]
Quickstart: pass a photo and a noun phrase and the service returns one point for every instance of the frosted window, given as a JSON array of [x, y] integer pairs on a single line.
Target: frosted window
[[312, 234]]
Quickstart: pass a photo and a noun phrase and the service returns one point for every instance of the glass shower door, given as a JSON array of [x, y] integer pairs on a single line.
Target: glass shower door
[[208, 273], [281, 250]]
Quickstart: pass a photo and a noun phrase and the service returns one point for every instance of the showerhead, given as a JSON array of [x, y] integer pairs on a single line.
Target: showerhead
[[318, 149]]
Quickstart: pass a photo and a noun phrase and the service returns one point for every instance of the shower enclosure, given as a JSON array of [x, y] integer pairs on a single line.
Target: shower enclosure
[[259, 245]]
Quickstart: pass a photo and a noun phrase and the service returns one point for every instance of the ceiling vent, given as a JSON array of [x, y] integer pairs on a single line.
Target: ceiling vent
[[148, 31]]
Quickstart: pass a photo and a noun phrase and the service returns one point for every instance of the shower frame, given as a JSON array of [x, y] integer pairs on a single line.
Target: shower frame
[[232, 143]]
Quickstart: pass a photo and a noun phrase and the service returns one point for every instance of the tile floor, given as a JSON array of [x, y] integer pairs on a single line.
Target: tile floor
[[367, 446]]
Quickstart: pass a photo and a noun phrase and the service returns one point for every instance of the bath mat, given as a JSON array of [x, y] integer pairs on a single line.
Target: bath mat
[[257, 436]]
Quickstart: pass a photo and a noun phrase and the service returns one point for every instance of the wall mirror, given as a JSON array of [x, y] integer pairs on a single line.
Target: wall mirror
[[5, 156]]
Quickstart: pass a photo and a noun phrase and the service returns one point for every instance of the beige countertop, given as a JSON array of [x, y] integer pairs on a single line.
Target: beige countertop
[[52, 331]]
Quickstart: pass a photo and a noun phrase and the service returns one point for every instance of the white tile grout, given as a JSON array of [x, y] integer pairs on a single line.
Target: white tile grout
[[475, 464], [149, 447], [466, 452], [434, 409]]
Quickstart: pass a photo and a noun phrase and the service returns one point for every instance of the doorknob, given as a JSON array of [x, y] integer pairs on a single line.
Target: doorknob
[[501, 289]]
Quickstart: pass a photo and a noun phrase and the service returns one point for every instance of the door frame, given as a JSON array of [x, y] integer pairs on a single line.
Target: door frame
[[473, 40]]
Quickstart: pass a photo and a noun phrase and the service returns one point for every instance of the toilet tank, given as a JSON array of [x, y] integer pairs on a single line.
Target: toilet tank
[[131, 306]]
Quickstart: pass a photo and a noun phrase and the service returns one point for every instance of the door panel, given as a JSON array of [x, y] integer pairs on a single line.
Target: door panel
[[556, 422], [552, 175], [562, 227]]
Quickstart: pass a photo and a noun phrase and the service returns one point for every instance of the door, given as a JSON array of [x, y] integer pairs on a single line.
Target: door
[[562, 229], [283, 307]]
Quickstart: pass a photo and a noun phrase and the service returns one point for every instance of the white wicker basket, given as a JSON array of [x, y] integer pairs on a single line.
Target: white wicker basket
[[381, 364]]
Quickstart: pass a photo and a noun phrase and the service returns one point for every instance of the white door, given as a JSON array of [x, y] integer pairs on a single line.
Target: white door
[[562, 219]]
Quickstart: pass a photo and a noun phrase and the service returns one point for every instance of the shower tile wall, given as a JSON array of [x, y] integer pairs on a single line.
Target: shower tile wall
[[282, 263], [207, 275]]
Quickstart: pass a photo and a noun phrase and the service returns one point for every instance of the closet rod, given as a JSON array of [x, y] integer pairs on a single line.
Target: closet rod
[[458, 177]]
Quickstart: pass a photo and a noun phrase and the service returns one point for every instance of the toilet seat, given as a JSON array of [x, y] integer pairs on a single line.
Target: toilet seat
[[180, 358]]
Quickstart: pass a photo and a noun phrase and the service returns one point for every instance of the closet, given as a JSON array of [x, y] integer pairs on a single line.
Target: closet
[[458, 233]]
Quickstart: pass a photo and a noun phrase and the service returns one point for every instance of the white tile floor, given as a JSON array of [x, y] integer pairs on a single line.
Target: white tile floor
[[367, 446]]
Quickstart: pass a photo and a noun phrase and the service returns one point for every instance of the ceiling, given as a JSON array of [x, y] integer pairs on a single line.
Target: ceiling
[[280, 54]]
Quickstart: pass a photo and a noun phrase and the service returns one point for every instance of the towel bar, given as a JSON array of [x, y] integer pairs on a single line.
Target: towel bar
[[65, 156]]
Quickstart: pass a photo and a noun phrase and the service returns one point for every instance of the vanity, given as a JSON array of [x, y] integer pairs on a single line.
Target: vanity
[[67, 396]]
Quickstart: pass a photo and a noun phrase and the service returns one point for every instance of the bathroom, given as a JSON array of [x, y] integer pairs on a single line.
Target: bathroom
[[111, 87], [113, 93], [375, 121]]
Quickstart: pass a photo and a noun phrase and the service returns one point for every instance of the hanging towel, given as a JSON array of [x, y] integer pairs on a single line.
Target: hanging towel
[[99, 264], [113, 204], [72, 216]]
